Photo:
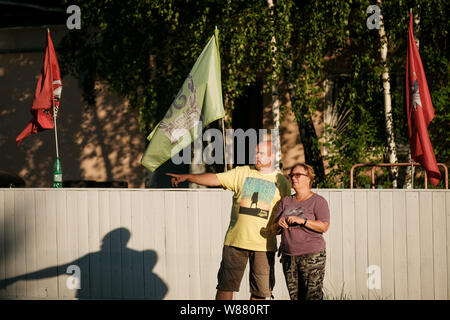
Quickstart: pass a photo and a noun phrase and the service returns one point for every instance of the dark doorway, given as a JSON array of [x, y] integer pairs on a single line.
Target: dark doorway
[[248, 114]]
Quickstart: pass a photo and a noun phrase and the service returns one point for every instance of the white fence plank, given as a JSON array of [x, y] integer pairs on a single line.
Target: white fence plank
[[413, 247], [439, 247], [348, 249], [400, 246], [183, 249], [83, 243], [154, 223], [208, 249], [105, 204], [193, 243], [137, 243], [72, 237], [361, 240], [30, 241], [41, 232], [374, 243], [216, 229], [62, 244], [10, 250], [115, 243], [387, 245], [335, 245], [126, 255], [51, 245], [426, 245], [95, 282], [3, 255], [19, 232], [172, 261]]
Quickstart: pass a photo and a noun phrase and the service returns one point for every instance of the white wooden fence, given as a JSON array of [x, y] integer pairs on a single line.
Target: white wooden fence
[[400, 237]]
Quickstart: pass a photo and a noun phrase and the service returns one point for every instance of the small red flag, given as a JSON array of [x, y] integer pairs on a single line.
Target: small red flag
[[46, 96], [420, 111]]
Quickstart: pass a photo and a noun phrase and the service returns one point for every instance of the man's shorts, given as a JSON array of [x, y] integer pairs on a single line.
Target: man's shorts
[[232, 267]]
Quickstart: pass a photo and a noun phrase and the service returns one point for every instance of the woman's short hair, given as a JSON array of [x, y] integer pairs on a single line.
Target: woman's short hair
[[309, 170]]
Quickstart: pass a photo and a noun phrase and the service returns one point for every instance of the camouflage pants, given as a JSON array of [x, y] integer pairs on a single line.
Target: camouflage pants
[[304, 275]]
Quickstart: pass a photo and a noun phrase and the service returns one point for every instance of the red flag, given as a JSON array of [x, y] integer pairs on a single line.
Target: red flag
[[420, 111], [47, 95]]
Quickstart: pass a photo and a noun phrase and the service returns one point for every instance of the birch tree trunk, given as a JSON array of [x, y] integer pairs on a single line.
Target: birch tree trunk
[[410, 171], [388, 105], [275, 136]]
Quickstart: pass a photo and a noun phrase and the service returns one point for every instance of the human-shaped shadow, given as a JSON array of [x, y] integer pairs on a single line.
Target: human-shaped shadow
[[114, 272], [254, 200]]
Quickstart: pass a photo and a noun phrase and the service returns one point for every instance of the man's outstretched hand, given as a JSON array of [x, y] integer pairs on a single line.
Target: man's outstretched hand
[[177, 178], [204, 179]]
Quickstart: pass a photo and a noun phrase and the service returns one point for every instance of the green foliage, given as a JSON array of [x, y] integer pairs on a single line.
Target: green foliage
[[360, 94], [364, 138], [145, 49]]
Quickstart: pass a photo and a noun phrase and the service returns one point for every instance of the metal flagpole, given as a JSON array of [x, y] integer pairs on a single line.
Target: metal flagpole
[[57, 169], [224, 146], [216, 34], [54, 118], [56, 132], [412, 162]]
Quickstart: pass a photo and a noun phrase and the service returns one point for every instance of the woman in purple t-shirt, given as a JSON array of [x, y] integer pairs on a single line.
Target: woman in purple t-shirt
[[302, 218]]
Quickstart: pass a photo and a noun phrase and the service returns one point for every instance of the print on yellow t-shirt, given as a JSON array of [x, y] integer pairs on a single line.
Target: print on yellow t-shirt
[[255, 196]]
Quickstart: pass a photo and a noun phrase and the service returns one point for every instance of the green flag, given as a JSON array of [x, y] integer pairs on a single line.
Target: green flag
[[198, 101]]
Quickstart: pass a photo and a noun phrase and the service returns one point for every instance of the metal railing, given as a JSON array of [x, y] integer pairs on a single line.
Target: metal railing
[[382, 165]]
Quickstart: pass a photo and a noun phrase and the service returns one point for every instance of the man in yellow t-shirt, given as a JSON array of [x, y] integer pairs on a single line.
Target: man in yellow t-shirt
[[257, 190]]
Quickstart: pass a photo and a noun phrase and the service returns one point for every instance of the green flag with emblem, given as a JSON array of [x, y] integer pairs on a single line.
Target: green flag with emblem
[[199, 102]]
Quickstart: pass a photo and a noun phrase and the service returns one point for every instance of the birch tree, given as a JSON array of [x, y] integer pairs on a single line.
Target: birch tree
[[274, 90], [388, 104]]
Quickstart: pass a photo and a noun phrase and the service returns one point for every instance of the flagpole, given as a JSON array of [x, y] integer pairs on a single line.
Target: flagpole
[[412, 162], [57, 170], [54, 118], [56, 133], [216, 35], [224, 146]]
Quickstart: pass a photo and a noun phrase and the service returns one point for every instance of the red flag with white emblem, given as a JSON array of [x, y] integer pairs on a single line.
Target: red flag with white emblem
[[420, 110], [46, 96]]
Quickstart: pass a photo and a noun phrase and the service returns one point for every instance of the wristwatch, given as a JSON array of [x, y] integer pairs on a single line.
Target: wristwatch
[[304, 223]]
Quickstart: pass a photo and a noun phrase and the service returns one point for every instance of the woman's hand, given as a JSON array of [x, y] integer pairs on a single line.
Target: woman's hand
[[295, 219], [282, 223]]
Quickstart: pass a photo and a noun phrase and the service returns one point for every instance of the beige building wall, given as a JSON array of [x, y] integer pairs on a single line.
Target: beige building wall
[[101, 143]]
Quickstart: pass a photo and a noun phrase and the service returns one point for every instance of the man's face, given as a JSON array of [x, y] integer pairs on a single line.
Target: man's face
[[263, 156]]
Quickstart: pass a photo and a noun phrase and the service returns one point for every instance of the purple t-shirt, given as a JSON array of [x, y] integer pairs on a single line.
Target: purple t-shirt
[[297, 240]]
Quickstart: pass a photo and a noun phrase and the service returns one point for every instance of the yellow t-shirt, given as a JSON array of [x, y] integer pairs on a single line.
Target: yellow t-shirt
[[255, 196]]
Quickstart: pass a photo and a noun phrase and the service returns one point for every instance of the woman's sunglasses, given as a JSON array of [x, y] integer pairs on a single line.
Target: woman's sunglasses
[[297, 175]]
